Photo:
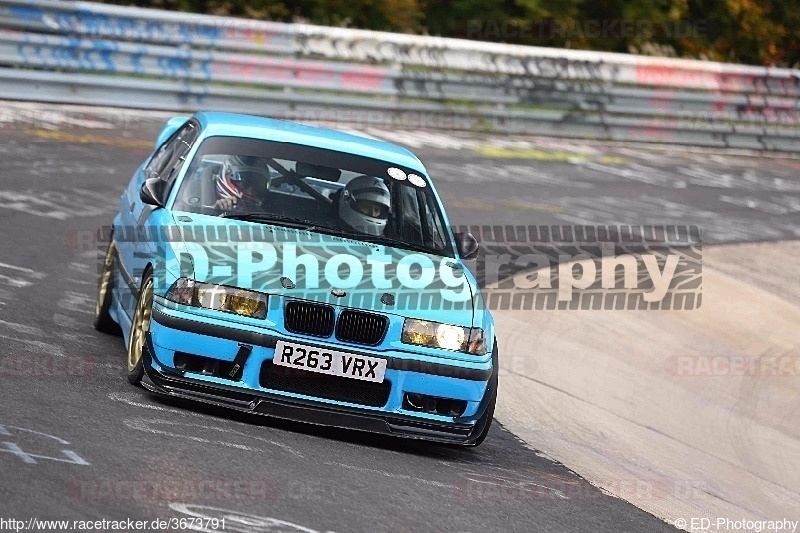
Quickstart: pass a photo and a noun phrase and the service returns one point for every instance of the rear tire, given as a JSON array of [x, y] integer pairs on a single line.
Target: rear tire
[[140, 325], [105, 285]]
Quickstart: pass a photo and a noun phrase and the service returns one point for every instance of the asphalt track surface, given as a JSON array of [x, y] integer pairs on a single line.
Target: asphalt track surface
[[79, 443]]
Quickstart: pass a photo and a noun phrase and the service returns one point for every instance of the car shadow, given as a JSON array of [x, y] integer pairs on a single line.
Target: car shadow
[[505, 476]]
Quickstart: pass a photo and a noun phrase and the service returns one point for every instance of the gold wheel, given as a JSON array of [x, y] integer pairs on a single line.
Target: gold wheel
[[140, 325]]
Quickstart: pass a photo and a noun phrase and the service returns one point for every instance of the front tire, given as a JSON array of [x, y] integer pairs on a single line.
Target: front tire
[[105, 284], [485, 421], [139, 327]]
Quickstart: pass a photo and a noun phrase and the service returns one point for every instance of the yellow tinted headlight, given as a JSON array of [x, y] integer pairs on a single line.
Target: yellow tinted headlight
[[219, 297], [242, 303], [418, 332]]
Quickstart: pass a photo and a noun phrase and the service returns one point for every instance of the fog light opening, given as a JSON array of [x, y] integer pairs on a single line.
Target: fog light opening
[[414, 402], [205, 366], [433, 405]]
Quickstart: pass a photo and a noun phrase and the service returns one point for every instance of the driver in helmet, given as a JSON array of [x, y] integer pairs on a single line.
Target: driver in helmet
[[364, 205], [241, 183]]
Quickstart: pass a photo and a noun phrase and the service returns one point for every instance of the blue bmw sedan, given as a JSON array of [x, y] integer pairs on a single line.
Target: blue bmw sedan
[[300, 273]]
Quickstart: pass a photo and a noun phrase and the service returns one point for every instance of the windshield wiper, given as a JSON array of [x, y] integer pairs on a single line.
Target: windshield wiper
[[311, 226], [267, 217], [378, 239]]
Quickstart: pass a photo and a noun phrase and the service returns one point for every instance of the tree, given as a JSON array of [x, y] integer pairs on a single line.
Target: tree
[[763, 32]]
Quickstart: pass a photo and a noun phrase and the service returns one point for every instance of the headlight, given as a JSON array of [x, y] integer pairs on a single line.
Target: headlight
[[449, 337], [218, 297]]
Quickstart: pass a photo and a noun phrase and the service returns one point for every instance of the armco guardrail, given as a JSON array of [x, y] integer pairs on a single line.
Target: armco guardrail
[[89, 53]]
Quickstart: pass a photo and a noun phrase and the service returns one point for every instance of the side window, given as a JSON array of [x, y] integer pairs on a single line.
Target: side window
[[157, 163], [169, 158]]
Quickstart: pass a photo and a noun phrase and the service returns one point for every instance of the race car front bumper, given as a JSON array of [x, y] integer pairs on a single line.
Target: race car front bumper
[[165, 379]]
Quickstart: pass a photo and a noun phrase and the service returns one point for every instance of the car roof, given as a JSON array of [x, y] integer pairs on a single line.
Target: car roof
[[239, 125]]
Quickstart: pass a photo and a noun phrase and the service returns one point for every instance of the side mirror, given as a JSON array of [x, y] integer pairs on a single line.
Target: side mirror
[[152, 192], [169, 128], [467, 245]]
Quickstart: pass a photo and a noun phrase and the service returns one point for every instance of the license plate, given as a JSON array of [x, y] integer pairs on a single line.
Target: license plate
[[332, 362]]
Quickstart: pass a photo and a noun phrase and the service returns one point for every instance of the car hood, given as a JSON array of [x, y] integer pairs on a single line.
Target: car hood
[[302, 264]]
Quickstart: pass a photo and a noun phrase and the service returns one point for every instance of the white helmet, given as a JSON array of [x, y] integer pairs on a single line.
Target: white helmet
[[364, 205]]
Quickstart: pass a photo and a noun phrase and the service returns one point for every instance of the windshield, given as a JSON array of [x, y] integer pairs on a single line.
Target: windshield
[[334, 192]]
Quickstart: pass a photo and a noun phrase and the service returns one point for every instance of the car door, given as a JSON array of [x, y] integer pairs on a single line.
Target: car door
[[137, 244]]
